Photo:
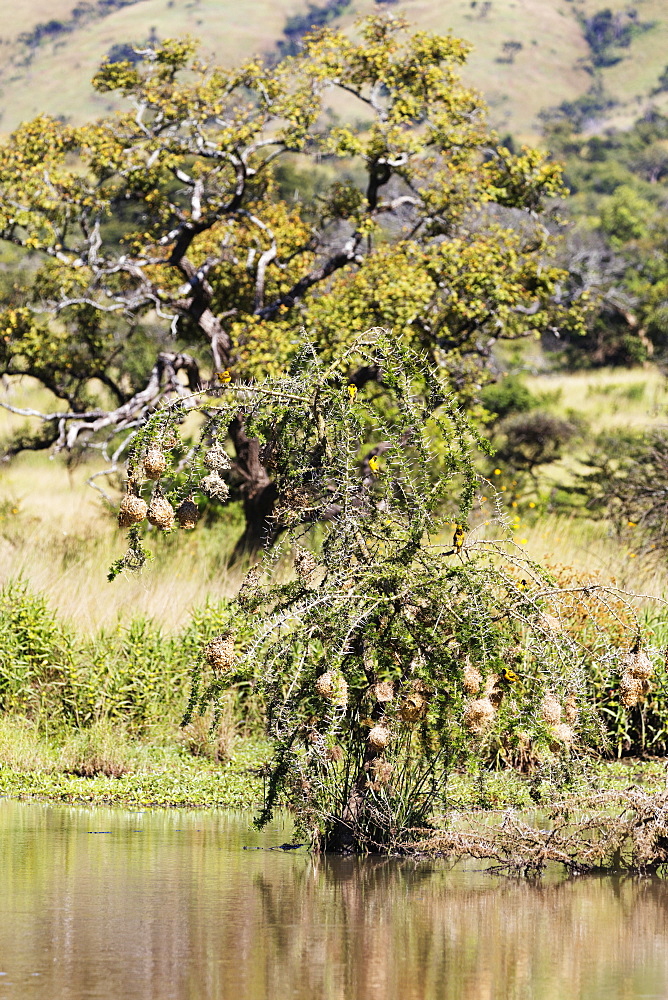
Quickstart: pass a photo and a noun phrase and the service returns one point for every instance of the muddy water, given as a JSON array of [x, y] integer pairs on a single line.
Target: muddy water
[[156, 905]]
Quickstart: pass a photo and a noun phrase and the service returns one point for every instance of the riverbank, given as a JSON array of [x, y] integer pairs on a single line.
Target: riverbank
[[105, 766]]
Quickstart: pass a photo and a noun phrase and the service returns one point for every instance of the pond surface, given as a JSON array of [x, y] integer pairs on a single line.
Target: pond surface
[[155, 905]]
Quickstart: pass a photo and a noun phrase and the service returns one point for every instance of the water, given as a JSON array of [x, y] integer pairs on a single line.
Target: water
[[158, 905]]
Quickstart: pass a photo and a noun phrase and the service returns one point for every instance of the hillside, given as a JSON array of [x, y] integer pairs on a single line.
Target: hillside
[[528, 54]]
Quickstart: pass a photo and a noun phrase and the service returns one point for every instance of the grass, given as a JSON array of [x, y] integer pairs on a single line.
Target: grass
[[229, 31], [606, 398], [151, 773], [161, 772]]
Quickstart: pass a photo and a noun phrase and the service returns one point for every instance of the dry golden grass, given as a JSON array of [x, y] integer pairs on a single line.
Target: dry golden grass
[[607, 398]]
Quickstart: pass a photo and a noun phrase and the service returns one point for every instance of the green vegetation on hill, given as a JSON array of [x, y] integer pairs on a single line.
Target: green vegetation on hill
[[528, 54]]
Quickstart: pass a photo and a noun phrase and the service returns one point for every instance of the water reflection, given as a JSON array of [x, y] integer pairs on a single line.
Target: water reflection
[[103, 903]]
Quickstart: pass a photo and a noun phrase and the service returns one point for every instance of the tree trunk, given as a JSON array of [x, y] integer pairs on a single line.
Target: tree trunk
[[258, 490]]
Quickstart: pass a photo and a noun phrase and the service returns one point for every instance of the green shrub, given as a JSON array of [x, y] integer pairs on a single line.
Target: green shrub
[[37, 654], [509, 395]]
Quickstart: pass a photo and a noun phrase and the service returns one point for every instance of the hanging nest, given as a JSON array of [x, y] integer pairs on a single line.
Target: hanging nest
[[638, 665], [383, 691], [219, 653], [550, 710], [155, 463], [571, 710], [217, 458], [305, 564], [215, 487], [472, 678], [379, 737], [333, 686], [187, 513], [631, 690], [161, 513], [479, 715], [562, 736], [132, 510], [414, 707], [382, 772], [250, 586]]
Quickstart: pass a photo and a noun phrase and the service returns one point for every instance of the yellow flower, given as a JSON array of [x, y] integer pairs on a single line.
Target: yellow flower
[[497, 472]]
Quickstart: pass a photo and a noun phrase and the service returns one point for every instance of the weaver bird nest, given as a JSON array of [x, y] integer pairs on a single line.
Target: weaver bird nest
[[155, 463], [479, 715], [472, 679], [550, 710], [215, 486], [379, 737], [160, 513], [217, 458], [333, 686], [219, 653], [132, 510], [187, 513], [634, 683]]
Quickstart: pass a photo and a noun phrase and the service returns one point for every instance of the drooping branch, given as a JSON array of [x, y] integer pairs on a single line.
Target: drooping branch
[[162, 382]]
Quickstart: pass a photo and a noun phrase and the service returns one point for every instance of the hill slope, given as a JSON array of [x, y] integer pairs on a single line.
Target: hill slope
[[528, 54]]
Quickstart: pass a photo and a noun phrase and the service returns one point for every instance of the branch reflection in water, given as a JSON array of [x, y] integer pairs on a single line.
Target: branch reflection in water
[[167, 904]]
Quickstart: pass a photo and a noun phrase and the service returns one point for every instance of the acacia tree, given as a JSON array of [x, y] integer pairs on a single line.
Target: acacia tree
[[386, 655], [164, 230]]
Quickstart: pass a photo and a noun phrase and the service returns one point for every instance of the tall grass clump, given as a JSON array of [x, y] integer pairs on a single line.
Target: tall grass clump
[[136, 674]]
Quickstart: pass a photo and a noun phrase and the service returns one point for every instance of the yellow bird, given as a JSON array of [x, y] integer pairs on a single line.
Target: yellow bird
[[458, 538], [374, 464], [352, 391], [224, 377], [509, 675]]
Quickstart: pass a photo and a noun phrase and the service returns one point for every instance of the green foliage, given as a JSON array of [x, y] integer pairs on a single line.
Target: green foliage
[[624, 216], [627, 480], [617, 252], [509, 395]]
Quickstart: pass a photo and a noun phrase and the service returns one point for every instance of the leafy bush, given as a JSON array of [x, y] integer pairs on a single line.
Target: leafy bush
[[628, 481], [36, 656], [509, 395], [534, 439]]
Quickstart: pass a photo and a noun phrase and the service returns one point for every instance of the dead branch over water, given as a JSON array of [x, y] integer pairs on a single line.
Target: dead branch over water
[[617, 831]]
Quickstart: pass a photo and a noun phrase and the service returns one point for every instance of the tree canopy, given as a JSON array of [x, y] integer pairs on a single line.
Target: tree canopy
[[228, 214]]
